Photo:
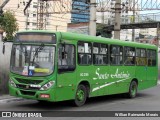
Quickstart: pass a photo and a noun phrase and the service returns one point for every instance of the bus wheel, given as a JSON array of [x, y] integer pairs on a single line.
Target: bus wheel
[[132, 89], [81, 95]]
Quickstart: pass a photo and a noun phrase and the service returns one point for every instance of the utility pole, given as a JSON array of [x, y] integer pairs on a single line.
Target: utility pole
[[92, 23], [42, 11], [40, 14], [102, 11], [117, 25], [102, 17], [26, 20], [57, 27], [133, 20], [158, 30]]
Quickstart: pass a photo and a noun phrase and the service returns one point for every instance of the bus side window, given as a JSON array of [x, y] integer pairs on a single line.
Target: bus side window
[[116, 55], [129, 56], [138, 56], [66, 58], [151, 57], [84, 53], [141, 57], [100, 54]]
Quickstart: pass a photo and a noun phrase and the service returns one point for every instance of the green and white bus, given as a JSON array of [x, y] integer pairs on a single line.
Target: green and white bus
[[58, 66]]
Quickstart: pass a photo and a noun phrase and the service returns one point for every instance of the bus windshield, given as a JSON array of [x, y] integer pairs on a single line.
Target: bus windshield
[[32, 60]]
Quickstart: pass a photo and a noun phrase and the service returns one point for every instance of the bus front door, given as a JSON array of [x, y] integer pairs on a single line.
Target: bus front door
[[65, 86], [66, 77]]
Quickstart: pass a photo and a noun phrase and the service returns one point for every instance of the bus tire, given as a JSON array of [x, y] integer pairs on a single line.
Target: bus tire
[[132, 89], [42, 101], [81, 95]]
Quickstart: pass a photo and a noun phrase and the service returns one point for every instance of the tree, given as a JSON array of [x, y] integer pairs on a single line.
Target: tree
[[102, 31], [8, 24]]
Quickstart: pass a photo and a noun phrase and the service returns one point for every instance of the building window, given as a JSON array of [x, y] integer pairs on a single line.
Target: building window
[[47, 15], [34, 24], [28, 23], [34, 6], [34, 15], [47, 23]]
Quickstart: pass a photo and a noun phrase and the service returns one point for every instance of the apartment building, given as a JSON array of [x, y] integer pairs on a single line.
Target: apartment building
[[54, 18], [1, 1]]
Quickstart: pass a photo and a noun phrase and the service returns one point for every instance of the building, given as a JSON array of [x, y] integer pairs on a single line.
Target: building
[[80, 28], [80, 11], [108, 17], [55, 17], [105, 14], [79, 17], [1, 1]]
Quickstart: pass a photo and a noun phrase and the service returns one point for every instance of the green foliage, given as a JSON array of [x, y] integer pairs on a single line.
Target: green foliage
[[103, 32], [9, 24]]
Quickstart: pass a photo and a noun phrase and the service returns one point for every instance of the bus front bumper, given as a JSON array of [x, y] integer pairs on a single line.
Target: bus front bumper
[[33, 94]]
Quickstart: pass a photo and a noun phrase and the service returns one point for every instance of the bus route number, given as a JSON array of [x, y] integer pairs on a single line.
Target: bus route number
[[84, 74]]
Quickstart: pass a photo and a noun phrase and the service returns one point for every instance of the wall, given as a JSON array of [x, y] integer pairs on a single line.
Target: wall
[[4, 67], [159, 65]]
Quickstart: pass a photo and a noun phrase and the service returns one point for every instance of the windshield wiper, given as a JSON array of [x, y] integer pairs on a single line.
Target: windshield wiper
[[37, 51]]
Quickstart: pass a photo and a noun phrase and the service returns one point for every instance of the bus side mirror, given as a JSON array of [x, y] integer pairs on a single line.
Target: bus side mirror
[[3, 49]]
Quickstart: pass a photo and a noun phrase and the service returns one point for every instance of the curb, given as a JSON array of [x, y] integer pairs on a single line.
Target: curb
[[7, 100]]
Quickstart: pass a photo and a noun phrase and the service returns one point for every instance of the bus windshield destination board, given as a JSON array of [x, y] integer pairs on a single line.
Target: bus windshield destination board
[[36, 37]]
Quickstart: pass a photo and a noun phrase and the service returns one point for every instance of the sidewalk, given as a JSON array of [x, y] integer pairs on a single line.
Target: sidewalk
[[8, 98]]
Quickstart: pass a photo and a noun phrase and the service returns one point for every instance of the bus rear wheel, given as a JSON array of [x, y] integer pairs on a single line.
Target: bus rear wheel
[[81, 95], [132, 89]]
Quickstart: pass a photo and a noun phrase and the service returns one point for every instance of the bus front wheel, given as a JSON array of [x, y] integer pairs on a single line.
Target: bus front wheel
[[132, 89], [81, 95]]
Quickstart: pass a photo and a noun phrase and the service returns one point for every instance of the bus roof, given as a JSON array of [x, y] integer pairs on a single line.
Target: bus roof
[[88, 38], [81, 37]]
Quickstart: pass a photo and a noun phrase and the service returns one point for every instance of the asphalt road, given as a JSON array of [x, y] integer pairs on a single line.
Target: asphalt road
[[146, 100]]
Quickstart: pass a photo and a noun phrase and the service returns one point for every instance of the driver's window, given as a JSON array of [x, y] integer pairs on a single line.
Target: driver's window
[[66, 57]]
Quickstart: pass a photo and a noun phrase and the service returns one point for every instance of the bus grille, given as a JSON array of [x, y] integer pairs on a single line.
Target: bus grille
[[27, 81], [26, 87], [27, 93]]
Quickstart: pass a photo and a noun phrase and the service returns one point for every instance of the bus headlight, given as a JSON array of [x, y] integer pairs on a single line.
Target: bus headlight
[[11, 82], [47, 85]]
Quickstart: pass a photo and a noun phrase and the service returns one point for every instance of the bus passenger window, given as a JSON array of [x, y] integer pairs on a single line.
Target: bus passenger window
[[84, 53], [141, 59], [151, 57], [116, 55], [100, 54], [129, 56]]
